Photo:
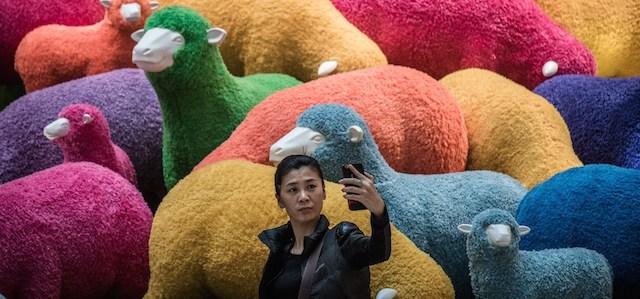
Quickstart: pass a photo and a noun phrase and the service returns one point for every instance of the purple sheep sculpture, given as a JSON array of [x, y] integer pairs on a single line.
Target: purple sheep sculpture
[[602, 116], [77, 230], [127, 100], [83, 134]]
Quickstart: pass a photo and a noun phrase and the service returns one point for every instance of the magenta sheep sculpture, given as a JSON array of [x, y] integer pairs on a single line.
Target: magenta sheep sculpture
[[76, 230], [514, 38], [82, 132], [53, 54]]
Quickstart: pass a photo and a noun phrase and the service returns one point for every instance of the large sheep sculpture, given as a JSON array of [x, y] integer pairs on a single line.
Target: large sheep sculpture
[[514, 38], [53, 54], [201, 102], [596, 207], [204, 240], [511, 130], [500, 270], [427, 208], [608, 27], [82, 132], [77, 230], [124, 96], [408, 113], [304, 39], [602, 116], [17, 18]]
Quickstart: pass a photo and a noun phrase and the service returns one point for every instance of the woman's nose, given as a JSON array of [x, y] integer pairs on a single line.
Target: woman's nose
[[304, 196]]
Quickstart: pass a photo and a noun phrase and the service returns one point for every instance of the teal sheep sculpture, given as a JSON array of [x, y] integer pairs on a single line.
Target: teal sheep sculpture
[[201, 102], [500, 270], [426, 208]]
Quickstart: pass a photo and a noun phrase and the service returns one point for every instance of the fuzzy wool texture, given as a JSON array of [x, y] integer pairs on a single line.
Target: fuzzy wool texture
[[510, 273], [53, 54], [511, 130], [408, 112], [596, 207], [602, 116], [514, 38], [17, 18], [126, 99], [91, 142], [426, 208], [77, 230], [204, 241], [201, 102], [287, 36], [610, 28]]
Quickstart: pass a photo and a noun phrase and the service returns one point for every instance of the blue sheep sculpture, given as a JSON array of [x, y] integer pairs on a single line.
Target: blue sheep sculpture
[[426, 208], [595, 207], [500, 270]]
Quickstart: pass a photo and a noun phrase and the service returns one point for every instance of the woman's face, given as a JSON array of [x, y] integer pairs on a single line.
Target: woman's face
[[301, 194]]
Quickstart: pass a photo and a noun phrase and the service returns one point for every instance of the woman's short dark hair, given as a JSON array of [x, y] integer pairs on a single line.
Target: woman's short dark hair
[[294, 162]]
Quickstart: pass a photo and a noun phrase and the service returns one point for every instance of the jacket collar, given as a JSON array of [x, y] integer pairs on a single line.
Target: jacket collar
[[277, 238]]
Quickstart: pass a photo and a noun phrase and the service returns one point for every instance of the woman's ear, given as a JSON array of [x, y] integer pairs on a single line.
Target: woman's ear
[[280, 203]]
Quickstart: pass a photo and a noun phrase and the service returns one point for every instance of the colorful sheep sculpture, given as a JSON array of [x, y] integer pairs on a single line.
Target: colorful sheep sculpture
[[82, 132], [53, 54], [427, 208], [514, 38], [408, 113], [511, 130], [608, 27], [500, 270], [124, 96], [77, 230], [204, 240], [602, 116], [202, 103], [595, 207], [17, 18], [304, 39]]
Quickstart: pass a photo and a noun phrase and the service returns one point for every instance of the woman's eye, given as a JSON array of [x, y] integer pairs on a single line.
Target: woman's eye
[[291, 190], [311, 186]]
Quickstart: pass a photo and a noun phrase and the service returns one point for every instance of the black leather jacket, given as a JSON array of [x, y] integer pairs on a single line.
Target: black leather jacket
[[343, 266]]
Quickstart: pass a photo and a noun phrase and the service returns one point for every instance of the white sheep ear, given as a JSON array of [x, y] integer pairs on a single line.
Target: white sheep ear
[[216, 35], [86, 118], [465, 228], [154, 5], [105, 3], [523, 230], [137, 35], [356, 134]]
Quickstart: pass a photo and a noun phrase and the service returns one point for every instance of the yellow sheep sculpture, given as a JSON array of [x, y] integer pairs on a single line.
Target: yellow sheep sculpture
[[204, 238]]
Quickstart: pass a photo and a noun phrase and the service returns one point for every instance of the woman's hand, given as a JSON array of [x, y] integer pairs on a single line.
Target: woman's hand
[[363, 190]]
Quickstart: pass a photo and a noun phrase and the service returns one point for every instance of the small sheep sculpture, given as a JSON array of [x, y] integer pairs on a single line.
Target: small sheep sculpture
[[500, 270], [514, 38], [609, 28], [602, 116], [304, 39], [20, 17], [204, 241], [202, 103], [511, 130], [126, 99], [426, 208], [595, 207], [82, 132], [76, 230], [408, 113], [53, 54]]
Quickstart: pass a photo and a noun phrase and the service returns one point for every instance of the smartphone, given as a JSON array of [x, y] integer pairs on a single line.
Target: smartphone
[[346, 173]]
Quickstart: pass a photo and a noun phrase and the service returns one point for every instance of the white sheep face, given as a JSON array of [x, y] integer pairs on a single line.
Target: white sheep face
[[57, 129], [300, 141], [155, 48], [499, 235], [131, 12]]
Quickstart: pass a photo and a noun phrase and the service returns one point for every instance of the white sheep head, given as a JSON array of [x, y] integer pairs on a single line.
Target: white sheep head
[[304, 141]]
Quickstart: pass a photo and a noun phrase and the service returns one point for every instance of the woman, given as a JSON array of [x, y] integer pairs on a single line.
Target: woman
[[342, 269]]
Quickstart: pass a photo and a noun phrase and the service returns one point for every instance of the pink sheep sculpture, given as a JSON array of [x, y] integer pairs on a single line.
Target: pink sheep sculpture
[[415, 121], [53, 54], [83, 134], [514, 38], [17, 18], [76, 230]]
